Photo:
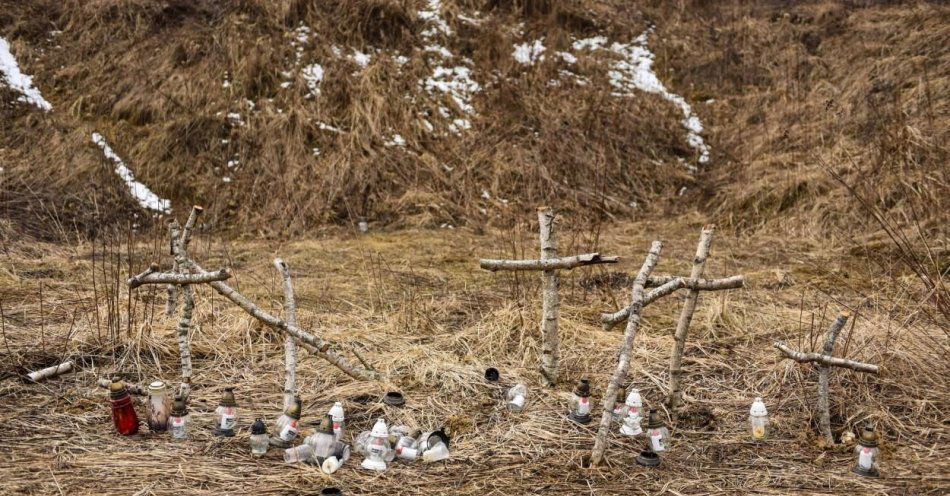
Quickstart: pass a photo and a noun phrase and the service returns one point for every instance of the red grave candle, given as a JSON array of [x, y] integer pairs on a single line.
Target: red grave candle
[[123, 411]]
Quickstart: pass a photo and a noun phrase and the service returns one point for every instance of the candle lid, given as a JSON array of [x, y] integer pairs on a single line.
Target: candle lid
[[157, 387], [228, 398]]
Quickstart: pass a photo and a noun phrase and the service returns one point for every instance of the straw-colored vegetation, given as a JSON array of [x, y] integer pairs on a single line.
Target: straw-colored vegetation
[[828, 182]]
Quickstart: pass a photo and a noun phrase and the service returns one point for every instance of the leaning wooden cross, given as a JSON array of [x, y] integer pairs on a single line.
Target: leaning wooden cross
[[825, 361], [187, 272], [665, 285], [549, 264]]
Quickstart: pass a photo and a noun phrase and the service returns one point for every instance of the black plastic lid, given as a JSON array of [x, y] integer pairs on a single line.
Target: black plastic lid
[[394, 398], [491, 374], [331, 491], [259, 427]]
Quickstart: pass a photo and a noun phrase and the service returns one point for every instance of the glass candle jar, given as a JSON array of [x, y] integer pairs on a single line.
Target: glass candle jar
[[259, 440], [437, 447], [301, 453], [580, 404], [227, 410], [517, 396], [758, 420], [159, 406], [376, 448], [123, 411], [336, 412], [631, 425], [178, 421], [866, 453], [657, 432], [322, 441], [288, 425]]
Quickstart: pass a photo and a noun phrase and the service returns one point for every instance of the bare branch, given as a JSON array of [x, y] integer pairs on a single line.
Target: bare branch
[[802, 357], [551, 298], [48, 372], [172, 278], [668, 285], [317, 345], [686, 316], [623, 364], [556, 263], [290, 346]]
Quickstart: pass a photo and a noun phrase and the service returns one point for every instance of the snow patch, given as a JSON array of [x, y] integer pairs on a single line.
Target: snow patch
[[634, 71], [361, 59], [313, 75], [567, 57], [144, 196], [396, 140], [18, 81], [530, 52]]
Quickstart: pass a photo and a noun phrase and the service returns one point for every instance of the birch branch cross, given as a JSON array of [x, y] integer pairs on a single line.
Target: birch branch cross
[[825, 361], [192, 273], [549, 264]]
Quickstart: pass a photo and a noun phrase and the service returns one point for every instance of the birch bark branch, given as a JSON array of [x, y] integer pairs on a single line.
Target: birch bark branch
[[315, 344], [551, 263], [668, 285], [823, 404], [832, 361], [171, 291], [550, 305], [290, 346], [173, 279], [686, 317], [623, 364], [48, 372]]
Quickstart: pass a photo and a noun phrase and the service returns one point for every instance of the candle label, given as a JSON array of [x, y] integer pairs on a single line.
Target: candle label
[[656, 442], [228, 418], [865, 459], [289, 431], [583, 406]]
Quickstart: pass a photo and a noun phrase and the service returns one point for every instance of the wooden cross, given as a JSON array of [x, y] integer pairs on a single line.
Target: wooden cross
[[549, 264], [665, 285], [825, 361]]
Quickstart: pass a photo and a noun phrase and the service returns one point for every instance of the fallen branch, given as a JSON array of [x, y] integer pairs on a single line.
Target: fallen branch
[[623, 365], [553, 263], [290, 346], [831, 361], [311, 342], [667, 285], [151, 276], [48, 372], [686, 317]]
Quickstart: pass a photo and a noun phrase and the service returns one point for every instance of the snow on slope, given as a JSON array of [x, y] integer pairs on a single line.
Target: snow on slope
[[634, 71], [18, 81], [144, 196]]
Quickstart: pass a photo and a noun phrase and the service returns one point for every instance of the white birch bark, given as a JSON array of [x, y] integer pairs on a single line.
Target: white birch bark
[[830, 361], [667, 285], [553, 263], [824, 409], [686, 316], [551, 303], [184, 342], [48, 372], [290, 346], [623, 364]]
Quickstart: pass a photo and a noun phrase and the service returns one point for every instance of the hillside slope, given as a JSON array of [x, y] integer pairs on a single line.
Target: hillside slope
[[288, 115]]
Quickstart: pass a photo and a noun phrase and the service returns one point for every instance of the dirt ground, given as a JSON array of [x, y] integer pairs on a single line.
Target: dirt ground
[[421, 312]]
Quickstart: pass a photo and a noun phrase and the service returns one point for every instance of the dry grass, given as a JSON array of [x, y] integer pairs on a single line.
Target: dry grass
[[424, 314], [851, 87]]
